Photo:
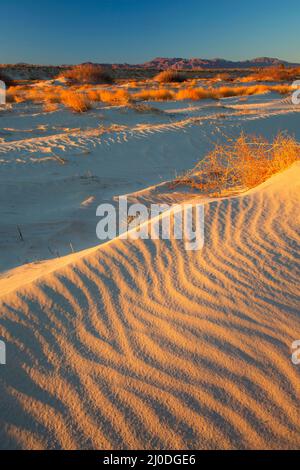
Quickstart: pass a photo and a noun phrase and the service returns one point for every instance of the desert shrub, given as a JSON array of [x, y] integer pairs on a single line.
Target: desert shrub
[[282, 89], [154, 95], [115, 97], [76, 101], [93, 95], [194, 94], [273, 74], [56, 94], [44, 94], [241, 164], [223, 92], [41, 94], [87, 73], [170, 76], [227, 91]]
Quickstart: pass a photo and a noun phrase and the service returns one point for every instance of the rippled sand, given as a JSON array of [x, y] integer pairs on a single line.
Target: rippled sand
[[142, 344]]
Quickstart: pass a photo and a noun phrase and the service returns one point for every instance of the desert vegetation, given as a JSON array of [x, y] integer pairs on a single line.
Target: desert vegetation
[[241, 164], [87, 73], [75, 101], [113, 97], [170, 76], [80, 97], [273, 74]]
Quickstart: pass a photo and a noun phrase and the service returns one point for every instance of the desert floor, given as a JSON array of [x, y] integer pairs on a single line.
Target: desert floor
[[140, 343]]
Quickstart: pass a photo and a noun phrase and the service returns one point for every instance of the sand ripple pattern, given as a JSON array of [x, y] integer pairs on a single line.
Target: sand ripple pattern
[[59, 146], [142, 344]]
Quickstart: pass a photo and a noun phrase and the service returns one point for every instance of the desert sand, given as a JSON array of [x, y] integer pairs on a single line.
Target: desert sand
[[142, 344]]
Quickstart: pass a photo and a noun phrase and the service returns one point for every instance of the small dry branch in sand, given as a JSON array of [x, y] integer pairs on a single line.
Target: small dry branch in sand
[[20, 233], [241, 164]]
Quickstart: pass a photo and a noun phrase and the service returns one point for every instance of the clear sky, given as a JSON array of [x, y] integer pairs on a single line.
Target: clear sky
[[74, 31]]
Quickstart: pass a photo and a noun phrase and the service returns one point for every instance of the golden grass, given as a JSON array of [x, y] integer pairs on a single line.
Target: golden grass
[[119, 96], [161, 94], [45, 94], [241, 164], [228, 91], [195, 94], [273, 74], [77, 102], [114, 97], [87, 73], [170, 76]]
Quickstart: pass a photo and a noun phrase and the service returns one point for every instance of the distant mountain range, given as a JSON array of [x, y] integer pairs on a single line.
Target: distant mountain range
[[163, 63]]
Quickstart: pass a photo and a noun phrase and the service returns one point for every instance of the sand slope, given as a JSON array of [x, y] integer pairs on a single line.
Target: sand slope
[[57, 167], [141, 344]]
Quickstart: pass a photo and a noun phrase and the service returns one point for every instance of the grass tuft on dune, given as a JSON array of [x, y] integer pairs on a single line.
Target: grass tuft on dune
[[243, 163]]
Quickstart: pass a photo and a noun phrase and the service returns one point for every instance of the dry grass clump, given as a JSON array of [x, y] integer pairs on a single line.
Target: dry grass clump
[[273, 74], [160, 94], [115, 97], [87, 73], [42, 94], [50, 97], [76, 101], [194, 94], [227, 92], [241, 164], [170, 76], [200, 93], [84, 94]]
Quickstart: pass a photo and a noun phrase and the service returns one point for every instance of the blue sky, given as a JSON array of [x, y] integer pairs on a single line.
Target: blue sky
[[138, 30]]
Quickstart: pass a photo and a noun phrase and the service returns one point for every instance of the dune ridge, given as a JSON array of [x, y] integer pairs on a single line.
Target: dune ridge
[[141, 344]]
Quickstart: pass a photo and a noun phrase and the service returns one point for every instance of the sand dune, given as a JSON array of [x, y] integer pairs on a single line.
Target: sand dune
[[52, 163], [142, 344]]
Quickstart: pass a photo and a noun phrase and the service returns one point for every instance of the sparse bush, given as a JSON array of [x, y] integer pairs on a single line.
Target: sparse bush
[[273, 74], [241, 164], [154, 95], [87, 73], [117, 97], [77, 102], [170, 76], [43, 94], [194, 94], [227, 91]]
